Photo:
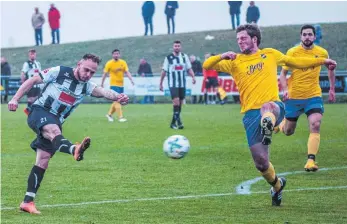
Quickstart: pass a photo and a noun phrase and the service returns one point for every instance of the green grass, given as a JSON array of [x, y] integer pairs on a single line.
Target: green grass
[[126, 161], [155, 48]]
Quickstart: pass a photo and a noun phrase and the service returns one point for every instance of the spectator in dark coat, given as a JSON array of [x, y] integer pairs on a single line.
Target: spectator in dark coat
[[319, 34], [145, 70], [197, 69], [148, 10], [253, 13], [5, 73], [170, 11], [235, 10], [54, 23]]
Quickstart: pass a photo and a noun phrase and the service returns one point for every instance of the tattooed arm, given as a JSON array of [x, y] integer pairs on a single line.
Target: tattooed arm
[[100, 92]]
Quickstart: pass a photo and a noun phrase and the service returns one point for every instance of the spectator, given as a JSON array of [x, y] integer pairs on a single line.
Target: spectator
[[37, 20], [145, 70], [170, 11], [234, 10], [211, 84], [148, 10], [319, 35], [5, 71], [53, 18], [197, 69], [253, 13]]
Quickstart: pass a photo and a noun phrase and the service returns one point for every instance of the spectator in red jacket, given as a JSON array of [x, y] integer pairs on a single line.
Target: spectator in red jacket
[[53, 18]]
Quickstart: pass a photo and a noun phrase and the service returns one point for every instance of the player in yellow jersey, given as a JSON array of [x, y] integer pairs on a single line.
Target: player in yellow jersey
[[116, 68], [304, 95], [255, 73]]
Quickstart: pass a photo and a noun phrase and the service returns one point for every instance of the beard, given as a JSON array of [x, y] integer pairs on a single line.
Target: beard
[[79, 75], [249, 49], [307, 43]]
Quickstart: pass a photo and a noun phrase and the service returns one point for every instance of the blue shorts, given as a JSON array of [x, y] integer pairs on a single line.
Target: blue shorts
[[118, 89], [251, 122], [294, 108]]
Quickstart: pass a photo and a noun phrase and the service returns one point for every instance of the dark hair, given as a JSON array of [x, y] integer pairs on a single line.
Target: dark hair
[[32, 50], [308, 27], [177, 42], [252, 30], [115, 50], [92, 57]]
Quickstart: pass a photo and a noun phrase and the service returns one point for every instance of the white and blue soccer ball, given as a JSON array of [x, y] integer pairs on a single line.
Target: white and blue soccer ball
[[176, 146]]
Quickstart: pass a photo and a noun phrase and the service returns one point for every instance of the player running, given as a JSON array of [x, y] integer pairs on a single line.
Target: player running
[[304, 95], [255, 73]]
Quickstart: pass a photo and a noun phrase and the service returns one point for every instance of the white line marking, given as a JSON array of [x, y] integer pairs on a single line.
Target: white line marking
[[245, 187], [174, 198]]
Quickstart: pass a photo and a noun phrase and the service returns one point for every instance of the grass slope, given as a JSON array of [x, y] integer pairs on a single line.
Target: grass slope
[[155, 48]]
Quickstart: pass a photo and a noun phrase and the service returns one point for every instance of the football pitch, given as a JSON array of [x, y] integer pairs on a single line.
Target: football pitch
[[126, 178]]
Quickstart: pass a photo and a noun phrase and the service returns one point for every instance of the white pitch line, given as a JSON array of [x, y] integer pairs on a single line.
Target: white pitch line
[[245, 187], [174, 198]]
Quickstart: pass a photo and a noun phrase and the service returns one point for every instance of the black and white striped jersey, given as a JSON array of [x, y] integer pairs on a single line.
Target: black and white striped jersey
[[176, 68], [62, 92], [31, 68]]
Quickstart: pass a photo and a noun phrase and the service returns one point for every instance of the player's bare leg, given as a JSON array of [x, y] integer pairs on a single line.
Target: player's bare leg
[[287, 127], [260, 154], [269, 112], [34, 181], [313, 141]]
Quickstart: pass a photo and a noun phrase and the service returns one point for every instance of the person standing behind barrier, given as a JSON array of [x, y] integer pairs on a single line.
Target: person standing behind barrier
[[37, 20], [197, 69], [234, 10], [170, 12], [5, 71], [148, 10], [53, 18], [145, 70]]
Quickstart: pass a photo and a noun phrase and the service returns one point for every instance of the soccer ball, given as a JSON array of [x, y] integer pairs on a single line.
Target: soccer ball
[[176, 146]]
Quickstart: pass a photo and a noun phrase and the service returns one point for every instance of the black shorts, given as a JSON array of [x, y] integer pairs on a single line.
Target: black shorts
[[212, 82], [178, 93], [38, 118], [33, 92]]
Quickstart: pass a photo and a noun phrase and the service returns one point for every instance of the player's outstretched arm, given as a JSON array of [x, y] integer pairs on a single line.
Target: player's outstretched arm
[[103, 78], [100, 92], [221, 62], [23, 89], [303, 62]]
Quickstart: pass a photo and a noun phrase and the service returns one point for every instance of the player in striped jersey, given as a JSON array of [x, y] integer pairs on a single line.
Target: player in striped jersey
[[30, 68], [64, 89], [176, 65]]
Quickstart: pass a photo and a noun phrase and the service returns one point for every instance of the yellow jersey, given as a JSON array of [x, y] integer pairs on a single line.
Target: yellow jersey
[[256, 74], [304, 83], [116, 70]]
